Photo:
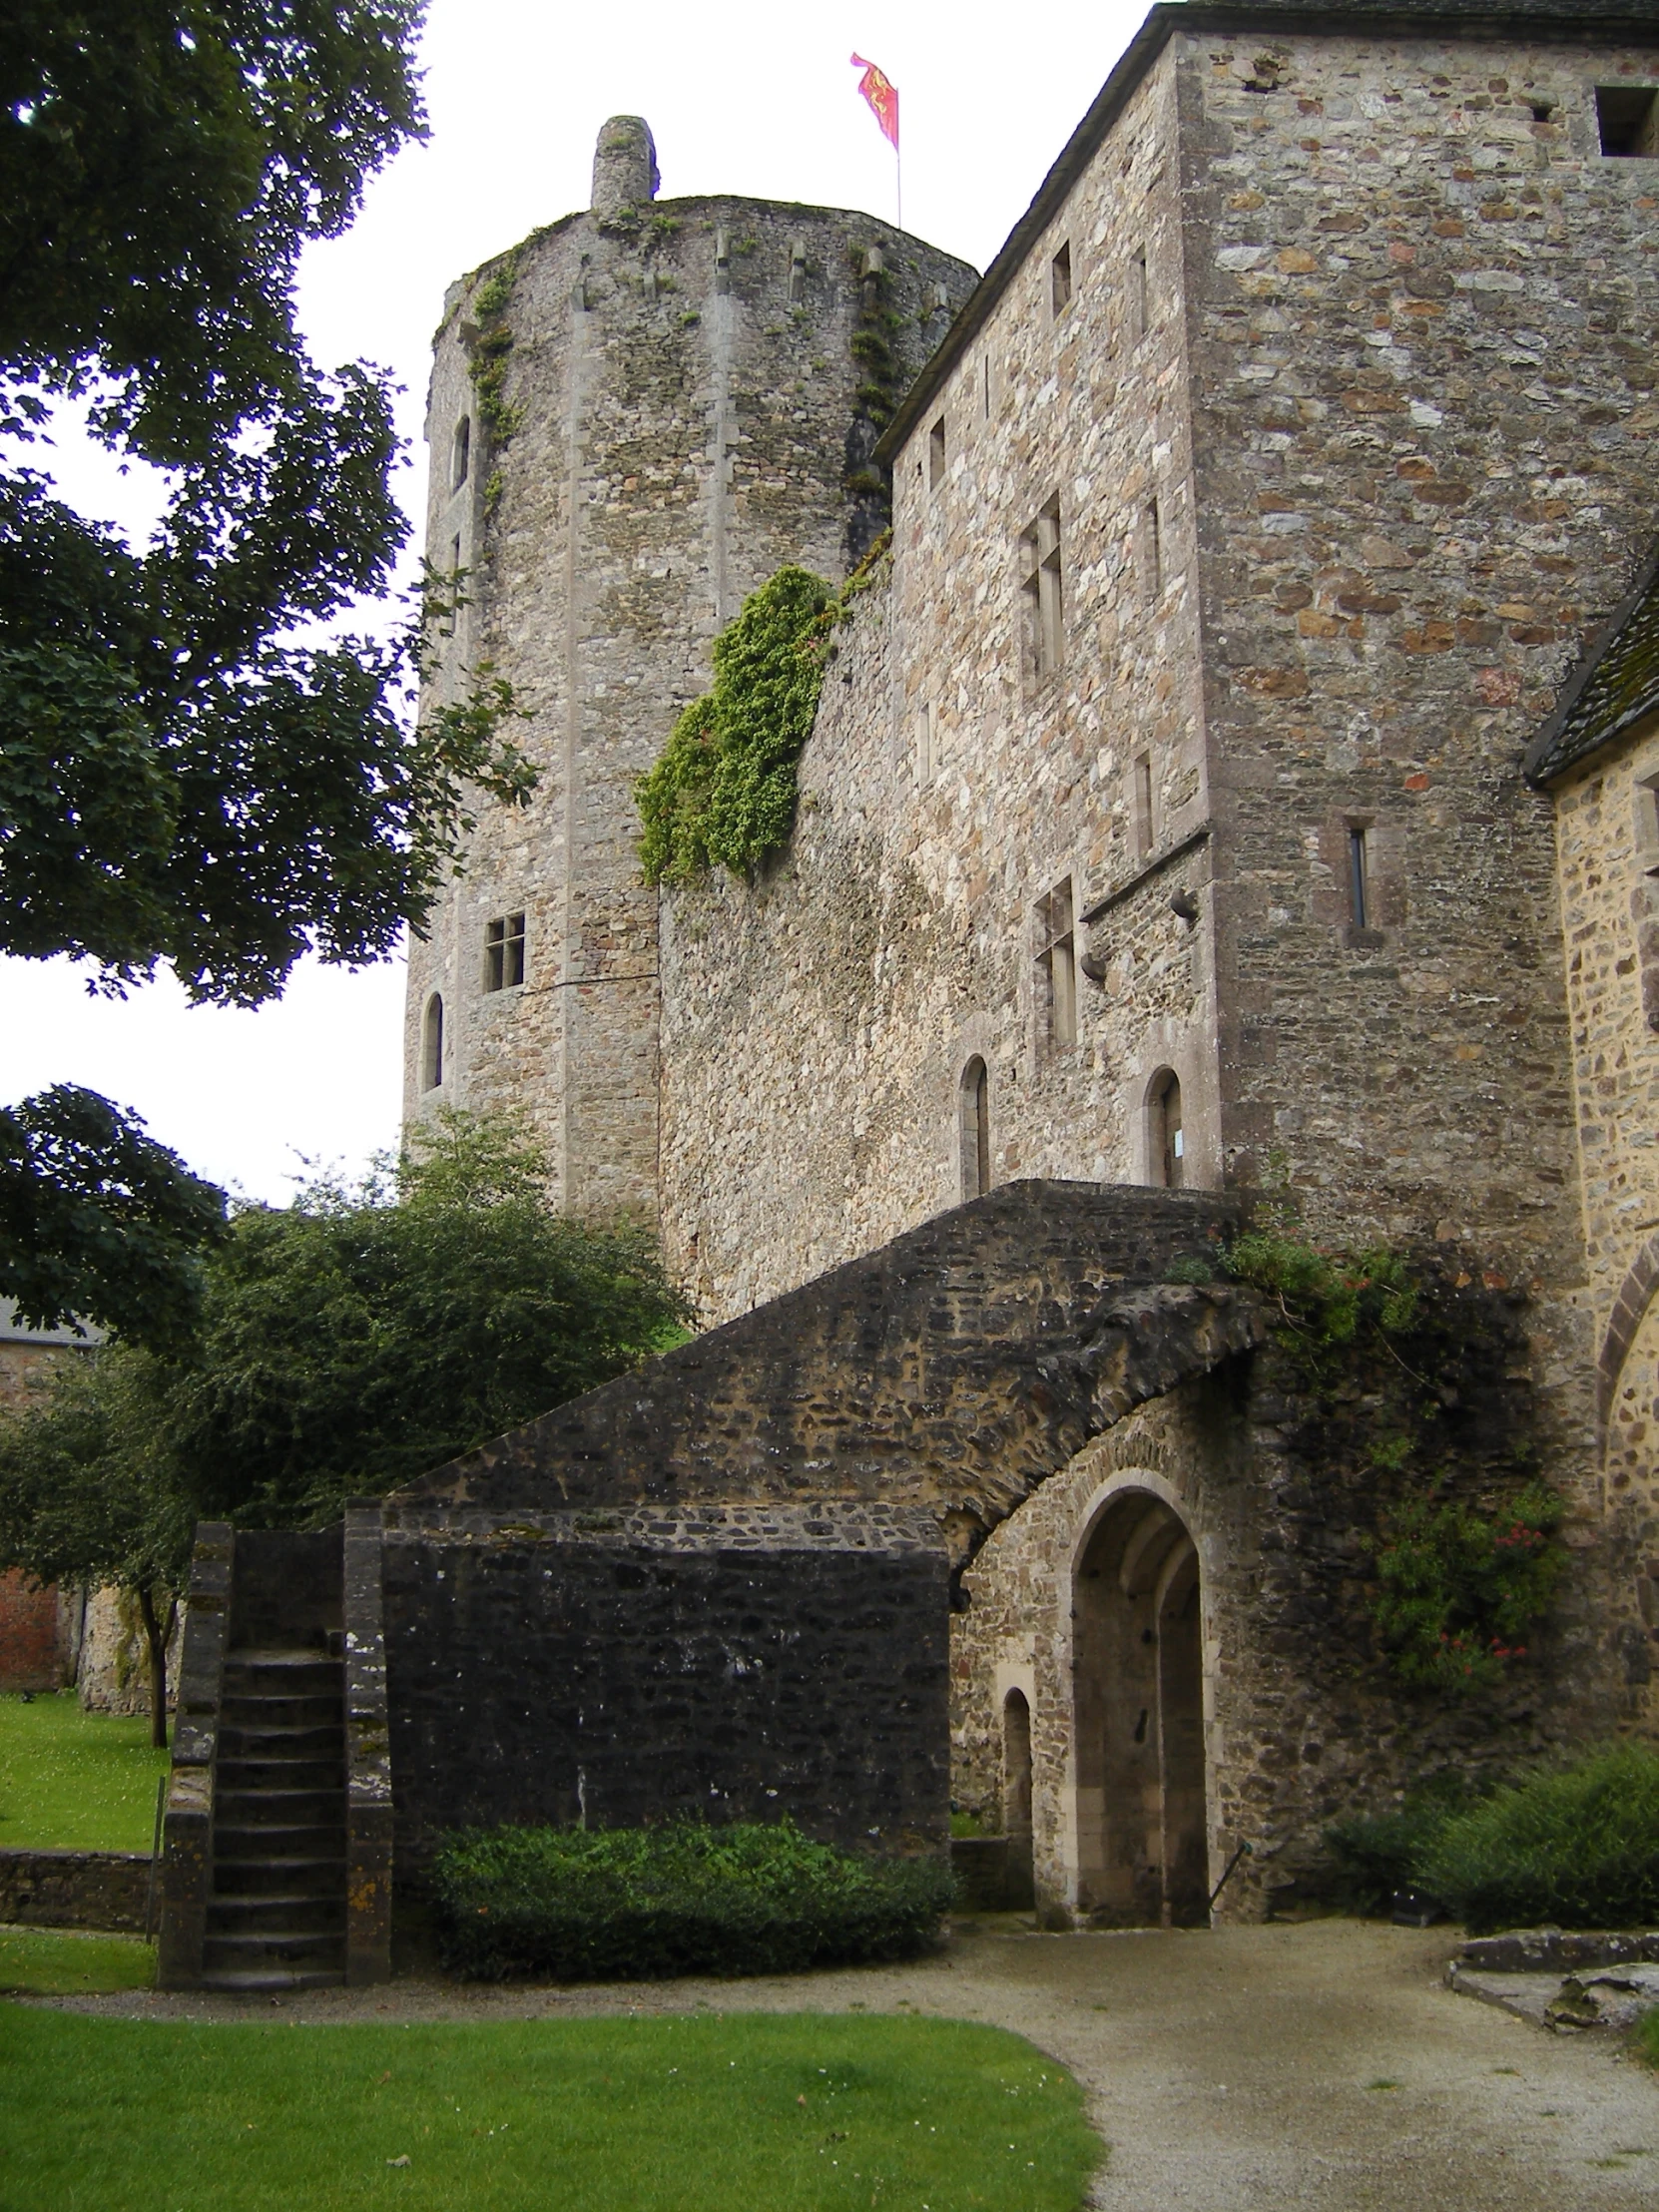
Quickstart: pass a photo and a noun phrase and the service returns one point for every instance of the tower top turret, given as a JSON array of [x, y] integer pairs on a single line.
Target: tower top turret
[[624, 165]]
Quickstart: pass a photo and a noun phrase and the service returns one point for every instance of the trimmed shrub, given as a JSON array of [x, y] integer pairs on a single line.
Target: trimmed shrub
[[1379, 1853], [1579, 1846], [634, 1904]]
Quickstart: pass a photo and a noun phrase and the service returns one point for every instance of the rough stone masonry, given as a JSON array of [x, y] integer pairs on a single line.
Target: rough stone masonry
[[1165, 820]]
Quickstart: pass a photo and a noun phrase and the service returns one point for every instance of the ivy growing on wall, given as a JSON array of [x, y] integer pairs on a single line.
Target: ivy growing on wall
[[724, 792], [1405, 1372], [491, 347], [1458, 1590]]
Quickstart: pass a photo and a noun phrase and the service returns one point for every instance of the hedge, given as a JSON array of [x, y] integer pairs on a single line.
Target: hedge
[[640, 1902]]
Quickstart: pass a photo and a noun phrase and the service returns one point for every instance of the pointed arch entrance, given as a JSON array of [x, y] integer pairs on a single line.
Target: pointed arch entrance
[[1137, 1617]]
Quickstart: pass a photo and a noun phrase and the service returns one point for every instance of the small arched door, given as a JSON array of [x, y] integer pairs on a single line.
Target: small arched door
[[1142, 1826]]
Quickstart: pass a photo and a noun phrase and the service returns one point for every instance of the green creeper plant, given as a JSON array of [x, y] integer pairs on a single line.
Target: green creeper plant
[[724, 792], [1458, 1590]]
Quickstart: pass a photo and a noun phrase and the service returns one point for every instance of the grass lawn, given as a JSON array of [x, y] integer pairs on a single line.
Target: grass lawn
[[61, 1961], [791, 2112], [74, 1781]]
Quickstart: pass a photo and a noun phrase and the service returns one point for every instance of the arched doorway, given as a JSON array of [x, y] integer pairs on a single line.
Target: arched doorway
[[1143, 1854]]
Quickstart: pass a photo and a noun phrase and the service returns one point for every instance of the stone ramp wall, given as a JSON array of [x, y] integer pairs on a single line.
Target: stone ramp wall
[[954, 1369]]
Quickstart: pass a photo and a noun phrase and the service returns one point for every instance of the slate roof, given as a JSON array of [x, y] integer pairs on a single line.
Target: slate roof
[[1615, 685]]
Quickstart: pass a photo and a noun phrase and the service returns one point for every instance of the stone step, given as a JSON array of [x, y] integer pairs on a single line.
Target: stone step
[[313, 1949], [284, 1708], [294, 1875], [266, 1840], [281, 1808], [319, 1740], [277, 1911], [235, 1776], [241, 1982]]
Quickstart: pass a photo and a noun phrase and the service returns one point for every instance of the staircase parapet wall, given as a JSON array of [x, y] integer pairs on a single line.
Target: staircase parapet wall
[[954, 1369], [369, 1800], [187, 1831]]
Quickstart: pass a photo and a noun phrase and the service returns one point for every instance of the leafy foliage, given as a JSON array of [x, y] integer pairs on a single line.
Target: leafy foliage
[[1579, 1847], [1379, 1853], [492, 347], [634, 1904], [1325, 1300], [180, 778], [1459, 1589], [344, 1345], [724, 792], [371, 1332], [98, 1220]]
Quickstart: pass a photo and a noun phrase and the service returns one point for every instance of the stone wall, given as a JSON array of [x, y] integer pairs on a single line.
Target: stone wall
[[606, 1669], [1304, 1720], [1607, 847], [75, 1889], [818, 1023], [687, 419]]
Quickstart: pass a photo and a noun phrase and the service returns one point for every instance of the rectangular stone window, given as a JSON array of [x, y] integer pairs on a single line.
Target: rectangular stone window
[[1040, 588], [935, 456], [1139, 298], [1647, 826], [1628, 117], [1140, 802], [504, 953], [447, 626], [460, 457], [985, 390], [925, 761], [1059, 281], [1151, 551], [1057, 968], [1359, 877]]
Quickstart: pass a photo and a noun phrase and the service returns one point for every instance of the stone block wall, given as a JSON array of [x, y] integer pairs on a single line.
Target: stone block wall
[[1608, 844], [608, 1669], [688, 418]]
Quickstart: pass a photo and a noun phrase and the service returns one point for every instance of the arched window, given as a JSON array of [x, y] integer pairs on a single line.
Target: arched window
[[975, 1114], [462, 453], [431, 1045], [1165, 1144]]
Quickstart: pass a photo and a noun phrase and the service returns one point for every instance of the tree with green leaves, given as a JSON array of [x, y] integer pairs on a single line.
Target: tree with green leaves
[[345, 1344], [194, 767]]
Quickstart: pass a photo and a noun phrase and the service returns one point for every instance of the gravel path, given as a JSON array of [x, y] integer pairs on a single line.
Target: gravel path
[[1250, 2069]]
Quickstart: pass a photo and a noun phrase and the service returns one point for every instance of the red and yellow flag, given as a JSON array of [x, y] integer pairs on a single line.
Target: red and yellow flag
[[883, 94]]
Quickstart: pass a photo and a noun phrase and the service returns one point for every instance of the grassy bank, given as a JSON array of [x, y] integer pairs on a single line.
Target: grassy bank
[[707, 2113], [74, 1781], [61, 1961]]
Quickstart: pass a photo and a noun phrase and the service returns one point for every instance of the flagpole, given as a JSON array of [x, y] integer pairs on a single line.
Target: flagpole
[[899, 182]]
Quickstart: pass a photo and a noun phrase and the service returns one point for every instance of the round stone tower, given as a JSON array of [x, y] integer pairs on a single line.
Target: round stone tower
[[635, 418]]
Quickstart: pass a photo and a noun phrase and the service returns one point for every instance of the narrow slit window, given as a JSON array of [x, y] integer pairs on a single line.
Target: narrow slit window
[[1358, 877], [1165, 1139], [462, 453], [1042, 587], [504, 953], [431, 1045], [1143, 805], [1057, 968], [1628, 117], [935, 456], [974, 1125], [1139, 297], [985, 389], [454, 607], [1155, 549], [1647, 828], [925, 743], [1059, 280]]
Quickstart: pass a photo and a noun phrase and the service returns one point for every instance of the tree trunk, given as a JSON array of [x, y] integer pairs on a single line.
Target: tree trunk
[[157, 1636]]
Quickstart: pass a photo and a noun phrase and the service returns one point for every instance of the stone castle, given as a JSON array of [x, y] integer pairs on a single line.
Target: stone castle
[[1237, 782], [1169, 818]]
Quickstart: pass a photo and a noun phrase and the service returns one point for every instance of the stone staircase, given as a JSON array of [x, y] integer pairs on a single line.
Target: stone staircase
[[276, 1911]]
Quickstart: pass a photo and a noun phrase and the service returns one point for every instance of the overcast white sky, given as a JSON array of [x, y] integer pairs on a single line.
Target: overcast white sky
[[742, 97]]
